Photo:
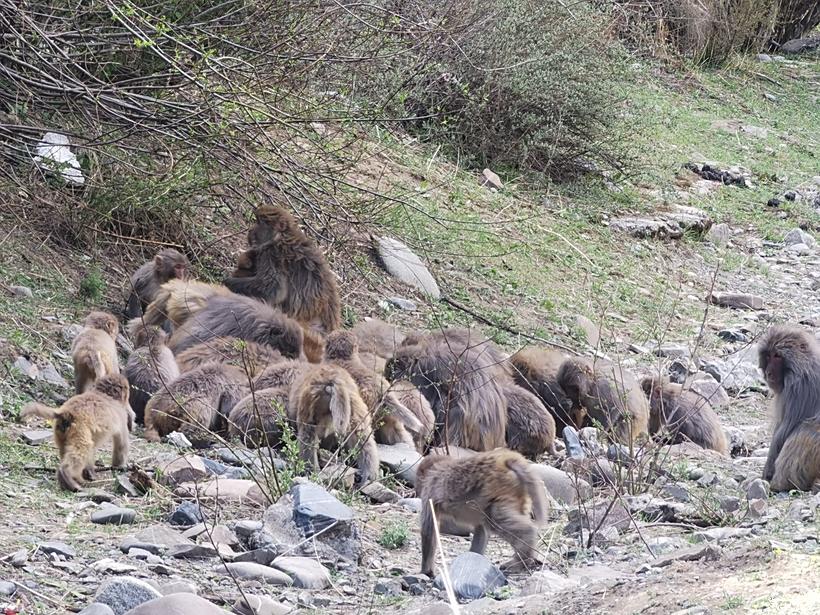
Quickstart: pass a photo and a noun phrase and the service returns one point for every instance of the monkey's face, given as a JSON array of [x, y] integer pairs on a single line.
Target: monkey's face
[[180, 271], [773, 366], [341, 345]]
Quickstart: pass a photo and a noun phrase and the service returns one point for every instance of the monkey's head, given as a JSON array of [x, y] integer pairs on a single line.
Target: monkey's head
[[576, 378], [170, 264], [104, 322], [401, 365], [271, 223], [787, 352], [652, 384], [414, 338], [114, 386], [286, 337], [341, 346], [147, 335]]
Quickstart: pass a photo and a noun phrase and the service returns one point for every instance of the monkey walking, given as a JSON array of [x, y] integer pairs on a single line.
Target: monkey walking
[[94, 350], [790, 361], [83, 423], [490, 492]]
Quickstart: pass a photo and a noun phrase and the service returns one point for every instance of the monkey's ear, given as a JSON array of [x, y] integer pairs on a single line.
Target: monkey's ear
[[158, 260]]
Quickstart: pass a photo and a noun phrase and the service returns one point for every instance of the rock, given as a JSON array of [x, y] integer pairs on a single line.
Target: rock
[[801, 45], [53, 154], [185, 469], [187, 513], [388, 587], [591, 441], [545, 582], [710, 389], [178, 440], [729, 503], [758, 508], [21, 292], [773, 202], [192, 551], [404, 265], [7, 588], [314, 509], [138, 553], [708, 479], [95, 608], [595, 575], [401, 459], [670, 223], [178, 587], [573, 443], [799, 249], [306, 573], [226, 489], [733, 335], [411, 504], [403, 304], [251, 604], [179, 604], [757, 489], [49, 374], [706, 552], [763, 57], [220, 469], [262, 555], [255, 572], [221, 535], [125, 593], [564, 488], [113, 515], [111, 566], [676, 492], [59, 548], [738, 372], [36, 437], [491, 179], [736, 300], [599, 516], [797, 236], [473, 576], [721, 534], [736, 440], [671, 351], [19, 558], [592, 332], [719, 234], [26, 367], [154, 538], [379, 493]]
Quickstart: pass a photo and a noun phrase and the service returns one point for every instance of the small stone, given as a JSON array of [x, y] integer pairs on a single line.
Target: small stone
[[180, 604], [314, 509], [733, 335], [306, 573], [251, 604], [721, 534], [21, 292], [758, 508], [379, 493], [262, 555], [763, 57], [138, 553], [388, 587], [255, 572], [411, 504], [125, 593], [799, 249], [188, 468], [178, 440], [473, 576], [573, 443], [35, 437], [401, 459], [246, 527], [192, 551], [95, 608], [774, 202], [757, 489], [672, 351], [7, 588], [719, 234], [729, 503], [111, 566], [49, 374], [736, 300], [113, 515], [708, 479], [59, 548], [676, 492], [19, 558], [26, 367], [491, 179], [403, 304], [187, 513]]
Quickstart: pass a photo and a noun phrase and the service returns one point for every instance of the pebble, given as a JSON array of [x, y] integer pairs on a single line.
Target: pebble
[[19, 558], [388, 587], [125, 593], [35, 437], [60, 548], [7, 588], [251, 604], [473, 576], [757, 489], [255, 572], [187, 513], [192, 551], [113, 515]]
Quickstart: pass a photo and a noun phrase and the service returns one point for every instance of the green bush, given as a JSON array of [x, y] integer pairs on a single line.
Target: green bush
[[92, 285], [394, 535]]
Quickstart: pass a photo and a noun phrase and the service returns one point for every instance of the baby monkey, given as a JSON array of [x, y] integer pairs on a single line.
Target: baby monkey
[[492, 491], [83, 423]]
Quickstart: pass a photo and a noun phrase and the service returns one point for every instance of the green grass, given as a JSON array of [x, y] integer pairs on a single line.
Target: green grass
[[394, 535]]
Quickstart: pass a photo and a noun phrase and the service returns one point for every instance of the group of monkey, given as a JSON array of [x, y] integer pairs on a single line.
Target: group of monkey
[[265, 350]]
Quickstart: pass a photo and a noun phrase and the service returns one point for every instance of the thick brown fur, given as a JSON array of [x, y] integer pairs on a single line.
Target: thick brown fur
[[392, 420], [177, 300], [609, 396], [242, 317], [530, 428], [536, 369], [324, 400], [197, 403], [491, 492], [281, 374], [145, 282], [83, 423], [790, 362], [94, 350], [681, 415], [463, 387], [458, 339], [149, 368], [412, 398], [250, 357], [257, 419], [288, 270], [313, 344], [377, 337]]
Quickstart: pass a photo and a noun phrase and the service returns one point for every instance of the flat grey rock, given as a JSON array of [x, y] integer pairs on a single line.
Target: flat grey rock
[[49, 373], [192, 551], [7, 588], [314, 509], [35, 437], [473, 575], [178, 604], [252, 604], [125, 593], [797, 236], [255, 572], [560, 485], [404, 265], [60, 548], [306, 572], [401, 459], [113, 515], [738, 301], [95, 608], [21, 292]]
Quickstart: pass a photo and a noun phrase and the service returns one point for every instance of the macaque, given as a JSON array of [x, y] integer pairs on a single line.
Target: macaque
[[536, 370], [280, 374], [83, 423], [94, 350], [149, 368], [491, 492], [377, 337], [168, 264], [176, 301], [530, 428], [257, 419], [250, 357]]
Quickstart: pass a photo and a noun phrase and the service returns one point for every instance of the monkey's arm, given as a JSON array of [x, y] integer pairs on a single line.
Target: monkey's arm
[[133, 308], [251, 286], [782, 432]]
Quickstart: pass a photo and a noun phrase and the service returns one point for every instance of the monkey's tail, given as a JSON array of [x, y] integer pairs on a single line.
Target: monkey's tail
[[535, 488], [95, 362], [340, 407], [34, 408]]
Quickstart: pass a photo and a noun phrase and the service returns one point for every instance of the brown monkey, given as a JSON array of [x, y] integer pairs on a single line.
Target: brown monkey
[[145, 282], [257, 419], [289, 271], [463, 388], [790, 362], [530, 428], [177, 300], [197, 403], [83, 423], [536, 369], [609, 395], [457, 339], [390, 417], [250, 357], [417, 403], [324, 400], [149, 368], [313, 344], [373, 362], [242, 317], [682, 415], [94, 350], [281, 374], [489, 492], [377, 337]]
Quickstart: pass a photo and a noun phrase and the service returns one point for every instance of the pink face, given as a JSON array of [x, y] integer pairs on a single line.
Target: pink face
[[180, 271]]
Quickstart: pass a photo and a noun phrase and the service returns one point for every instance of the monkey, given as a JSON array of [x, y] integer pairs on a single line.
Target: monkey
[[243, 317], [490, 492], [609, 395], [683, 415], [257, 419], [197, 403], [324, 400], [313, 344], [417, 403], [536, 370], [789, 358], [177, 300], [373, 362], [281, 374], [462, 387], [377, 338], [392, 420], [83, 423], [150, 367], [94, 350], [457, 339], [289, 271], [530, 428], [250, 357], [168, 264]]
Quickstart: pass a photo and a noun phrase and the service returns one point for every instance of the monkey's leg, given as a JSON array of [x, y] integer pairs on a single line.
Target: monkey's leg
[[480, 538], [368, 461], [119, 457], [798, 465], [520, 532], [72, 466], [779, 438], [428, 538], [308, 441]]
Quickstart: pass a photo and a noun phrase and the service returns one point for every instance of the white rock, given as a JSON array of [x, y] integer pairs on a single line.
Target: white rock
[[404, 265], [53, 154]]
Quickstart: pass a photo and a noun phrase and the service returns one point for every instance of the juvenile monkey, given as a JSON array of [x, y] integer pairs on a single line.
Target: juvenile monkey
[[417, 403], [94, 350], [197, 403], [288, 270], [257, 419], [536, 370], [177, 300], [83, 423], [280, 374], [150, 367], [168, 264], [682, 415], [324, 400], [530, 428], [250, 357], [790, 362], [494, 491], [377, 337]]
